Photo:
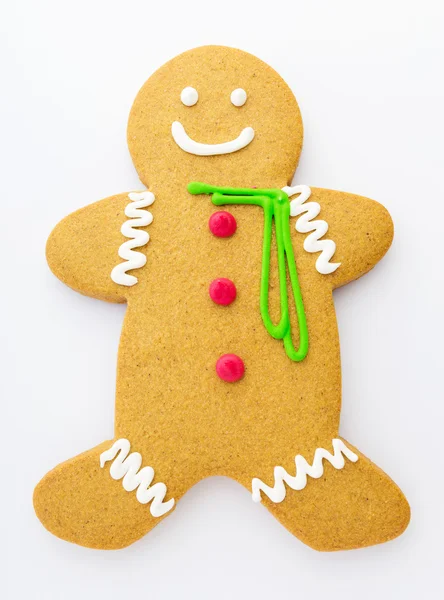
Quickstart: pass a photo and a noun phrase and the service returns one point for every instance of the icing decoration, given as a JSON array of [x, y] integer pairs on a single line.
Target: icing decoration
[[187, 144], [138, 238], [303, 469], [222, 291], [238, 97], [189, 96], [127, 466], [230, 368], [319, 228], [222, 224], [276, 206]]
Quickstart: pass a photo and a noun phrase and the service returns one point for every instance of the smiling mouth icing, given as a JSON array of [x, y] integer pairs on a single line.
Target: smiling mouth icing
[[187, 144]]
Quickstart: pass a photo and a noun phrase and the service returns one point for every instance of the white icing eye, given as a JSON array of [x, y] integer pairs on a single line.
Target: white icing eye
[[238, 97], [189, 96]]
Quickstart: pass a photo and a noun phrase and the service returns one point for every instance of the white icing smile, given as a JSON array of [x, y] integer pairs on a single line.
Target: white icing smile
[[187, 144]]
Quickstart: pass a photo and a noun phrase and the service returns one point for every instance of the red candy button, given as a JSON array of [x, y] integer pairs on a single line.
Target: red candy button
[[230, 367], [222, 224], [222, 291]]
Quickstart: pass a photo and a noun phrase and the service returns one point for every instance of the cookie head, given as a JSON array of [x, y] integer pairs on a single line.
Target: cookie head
[[219, 115]]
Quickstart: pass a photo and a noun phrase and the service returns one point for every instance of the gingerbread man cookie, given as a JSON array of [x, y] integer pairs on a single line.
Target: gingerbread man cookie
[[229, 355]]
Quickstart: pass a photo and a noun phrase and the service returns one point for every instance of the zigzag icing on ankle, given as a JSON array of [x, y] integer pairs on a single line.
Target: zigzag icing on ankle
[[138, 238], [318, 228], [127, 466], [303, 469]]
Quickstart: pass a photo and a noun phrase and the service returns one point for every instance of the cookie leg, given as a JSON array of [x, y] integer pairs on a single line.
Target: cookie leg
[[106, 497], [339, 504]]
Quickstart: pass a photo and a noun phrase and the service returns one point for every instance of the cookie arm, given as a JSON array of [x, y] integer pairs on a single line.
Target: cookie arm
[[83, 248], [362, 230]]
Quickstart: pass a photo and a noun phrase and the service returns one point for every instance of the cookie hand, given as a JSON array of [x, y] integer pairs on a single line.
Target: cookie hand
[[362, 230], [83, 248]]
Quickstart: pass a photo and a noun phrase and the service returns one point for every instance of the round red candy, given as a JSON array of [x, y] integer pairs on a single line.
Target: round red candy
[[230, 367], [222, 224], [222, 291]]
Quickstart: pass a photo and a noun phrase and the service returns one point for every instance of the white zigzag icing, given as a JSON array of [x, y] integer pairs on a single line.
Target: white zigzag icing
[[128, 467], [305, 224], [303, 469], [138, 218]]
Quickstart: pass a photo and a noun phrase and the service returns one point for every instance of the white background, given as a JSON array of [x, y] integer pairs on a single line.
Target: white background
[[369, 80]]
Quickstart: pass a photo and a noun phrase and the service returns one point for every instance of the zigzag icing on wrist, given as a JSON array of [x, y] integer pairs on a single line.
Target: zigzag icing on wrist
[[138, 238], [319, 228]]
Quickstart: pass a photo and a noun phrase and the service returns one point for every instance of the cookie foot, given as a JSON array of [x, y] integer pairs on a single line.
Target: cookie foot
[[348, 505], [102, 498]]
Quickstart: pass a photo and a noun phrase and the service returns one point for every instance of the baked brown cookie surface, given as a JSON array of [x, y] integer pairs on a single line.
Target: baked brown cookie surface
[[229, 355]]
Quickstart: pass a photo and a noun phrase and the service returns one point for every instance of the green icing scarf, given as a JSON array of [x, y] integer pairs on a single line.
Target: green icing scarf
[[276, 206]]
